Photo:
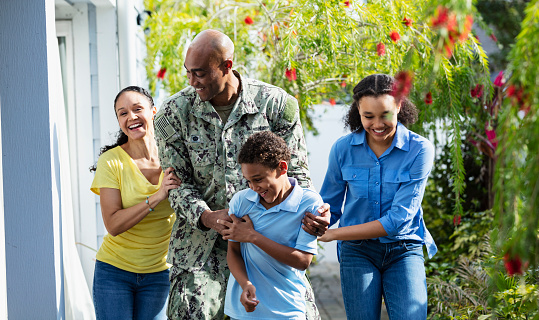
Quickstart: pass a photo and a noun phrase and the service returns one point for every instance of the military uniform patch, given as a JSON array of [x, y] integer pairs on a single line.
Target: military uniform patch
[[164, 127]]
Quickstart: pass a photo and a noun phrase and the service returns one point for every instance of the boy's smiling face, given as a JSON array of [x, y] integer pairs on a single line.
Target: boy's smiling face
[[271, 184]]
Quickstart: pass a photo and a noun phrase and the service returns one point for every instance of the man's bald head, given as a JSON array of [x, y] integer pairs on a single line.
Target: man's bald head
[[219, 44]]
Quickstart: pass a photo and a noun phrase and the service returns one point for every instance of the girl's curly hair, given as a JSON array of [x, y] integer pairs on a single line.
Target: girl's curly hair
[[374, 86], [265, 148]]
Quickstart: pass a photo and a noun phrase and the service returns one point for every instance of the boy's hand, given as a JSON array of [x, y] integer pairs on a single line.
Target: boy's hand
[[317, 225], [248, 298], [240, 230]]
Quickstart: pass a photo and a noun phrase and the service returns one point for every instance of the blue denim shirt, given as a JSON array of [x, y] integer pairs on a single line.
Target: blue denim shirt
[[388, 189]]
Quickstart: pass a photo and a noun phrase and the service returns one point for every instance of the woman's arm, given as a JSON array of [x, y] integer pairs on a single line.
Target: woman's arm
[[236, 264], [369, 230], [118, 220], [242, 230]]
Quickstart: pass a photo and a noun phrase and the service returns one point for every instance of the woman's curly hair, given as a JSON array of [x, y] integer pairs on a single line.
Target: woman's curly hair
[[374, 86], [265, 148]]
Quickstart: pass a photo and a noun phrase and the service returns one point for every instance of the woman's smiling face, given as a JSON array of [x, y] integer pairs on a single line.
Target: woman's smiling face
[[379, 118], [135, 114]]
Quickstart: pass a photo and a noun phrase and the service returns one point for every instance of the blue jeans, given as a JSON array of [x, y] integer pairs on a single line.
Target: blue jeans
[[124, 295], [370, 269]]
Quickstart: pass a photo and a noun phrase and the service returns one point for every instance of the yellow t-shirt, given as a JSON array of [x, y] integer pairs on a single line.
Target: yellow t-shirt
[[143, 248]]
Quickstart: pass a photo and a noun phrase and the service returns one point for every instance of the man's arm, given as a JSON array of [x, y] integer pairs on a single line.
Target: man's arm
[[186, 200]]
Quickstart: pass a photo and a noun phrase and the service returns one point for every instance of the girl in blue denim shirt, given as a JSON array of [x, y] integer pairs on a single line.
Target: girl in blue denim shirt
[[380, 171]]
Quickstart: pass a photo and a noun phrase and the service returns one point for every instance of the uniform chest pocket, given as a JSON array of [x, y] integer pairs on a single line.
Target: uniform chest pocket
[[392, 181], [357, 180], [201, 153]]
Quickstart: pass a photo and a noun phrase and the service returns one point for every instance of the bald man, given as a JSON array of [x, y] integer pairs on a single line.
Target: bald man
[[199, 132]]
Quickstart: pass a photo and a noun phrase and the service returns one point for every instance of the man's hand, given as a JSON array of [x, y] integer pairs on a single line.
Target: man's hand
[[209, 219], [317, 225], [240, 230]]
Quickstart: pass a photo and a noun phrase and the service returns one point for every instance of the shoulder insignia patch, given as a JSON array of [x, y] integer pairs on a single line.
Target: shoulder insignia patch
[[289, 112], [164, 128]]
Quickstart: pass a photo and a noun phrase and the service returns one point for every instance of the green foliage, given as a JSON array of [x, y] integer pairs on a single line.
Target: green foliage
[[517, 172]]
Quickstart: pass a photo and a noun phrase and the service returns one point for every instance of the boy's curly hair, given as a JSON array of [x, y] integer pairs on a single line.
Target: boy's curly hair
[[376, 85], [265, 148]]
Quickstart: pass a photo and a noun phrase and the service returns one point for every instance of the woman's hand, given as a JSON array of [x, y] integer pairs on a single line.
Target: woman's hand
[[241, 230], [328, 236], [170, 181], [248, 297]]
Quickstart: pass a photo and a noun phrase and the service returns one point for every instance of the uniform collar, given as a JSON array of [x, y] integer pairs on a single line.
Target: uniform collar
[[400, 141], [291, 203]]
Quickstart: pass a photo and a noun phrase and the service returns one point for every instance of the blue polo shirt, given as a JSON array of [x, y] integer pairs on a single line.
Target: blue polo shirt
[[388, 189], [279, 287]]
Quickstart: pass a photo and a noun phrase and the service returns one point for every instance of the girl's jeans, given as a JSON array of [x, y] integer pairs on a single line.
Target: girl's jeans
[[120, 294], [370, 269]]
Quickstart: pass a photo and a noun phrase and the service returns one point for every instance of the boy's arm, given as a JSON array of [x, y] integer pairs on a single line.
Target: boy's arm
[[243, 231], [236, 264]]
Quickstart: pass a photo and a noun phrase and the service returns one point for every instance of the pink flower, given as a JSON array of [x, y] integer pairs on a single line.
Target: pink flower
[[291, 74], [428, 98], [499, 80], [513, 265], [456, 220], [477, 92], [248, 20], [407, 22], [402, 85], [491, 135], [381, 49], [493, 37], [161, 73], [395, 36], [347, 3]]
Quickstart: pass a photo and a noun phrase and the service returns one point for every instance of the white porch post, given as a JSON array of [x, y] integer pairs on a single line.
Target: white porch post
[[32, 224]]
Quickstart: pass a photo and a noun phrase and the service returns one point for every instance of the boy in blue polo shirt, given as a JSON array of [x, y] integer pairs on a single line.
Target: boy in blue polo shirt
[[269, 251]]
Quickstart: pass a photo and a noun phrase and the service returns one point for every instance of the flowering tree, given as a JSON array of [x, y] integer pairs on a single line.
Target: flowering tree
[[317, 50]]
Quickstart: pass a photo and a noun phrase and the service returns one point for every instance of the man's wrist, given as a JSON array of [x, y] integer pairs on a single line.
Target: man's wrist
[[200, 223]]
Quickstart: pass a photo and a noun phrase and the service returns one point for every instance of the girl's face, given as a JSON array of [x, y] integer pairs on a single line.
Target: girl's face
[[269, 183], [379, 118], [135, 115]]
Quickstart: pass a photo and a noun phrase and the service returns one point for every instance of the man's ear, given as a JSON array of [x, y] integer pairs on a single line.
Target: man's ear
[[283, 167]]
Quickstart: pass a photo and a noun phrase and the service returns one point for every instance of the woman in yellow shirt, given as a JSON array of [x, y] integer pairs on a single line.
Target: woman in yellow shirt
[[131, 274]]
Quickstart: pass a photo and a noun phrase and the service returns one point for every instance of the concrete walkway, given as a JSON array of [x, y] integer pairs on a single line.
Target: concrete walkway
[[326, 281]]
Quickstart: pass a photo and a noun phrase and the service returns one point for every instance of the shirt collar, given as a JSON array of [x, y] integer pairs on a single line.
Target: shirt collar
[[291, 203], [401, 139]]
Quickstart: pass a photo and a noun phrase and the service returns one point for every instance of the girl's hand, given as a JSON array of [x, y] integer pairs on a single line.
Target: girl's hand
[[328, 236], [248, 297], [241, 230], [170, 181]]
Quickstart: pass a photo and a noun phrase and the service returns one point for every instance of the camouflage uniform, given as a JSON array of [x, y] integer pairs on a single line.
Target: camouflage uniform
[[203, 151]]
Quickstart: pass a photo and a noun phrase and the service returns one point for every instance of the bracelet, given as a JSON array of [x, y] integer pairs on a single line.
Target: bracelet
[[148, 203]]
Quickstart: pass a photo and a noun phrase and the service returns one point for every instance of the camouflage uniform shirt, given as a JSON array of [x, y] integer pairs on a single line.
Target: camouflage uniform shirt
[[203, 152]]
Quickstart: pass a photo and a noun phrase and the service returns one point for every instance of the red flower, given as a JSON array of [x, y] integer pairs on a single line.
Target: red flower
[[381, 49], [161, 73], [395, 36], [467, 28], [513, 265], [491, 135], [347, 3], [407, 22], [499, 80], [332, 101], [343, 84], [291, 74], [456, 220], [402, 85], [440, 19], [248, 20], [493, 37], [428, 98], [511, 90], [477, 92]]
